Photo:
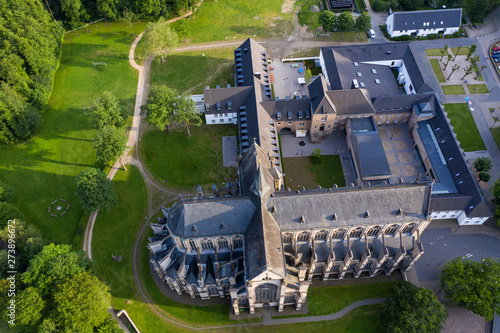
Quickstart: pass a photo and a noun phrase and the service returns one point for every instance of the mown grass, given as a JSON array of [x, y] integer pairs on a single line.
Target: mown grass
[[229, 19], [464, 126], [44, 169], [496, 135], [300, 171], [463, 50], [434, 52], [184, 162], [453, 90], [307, 17], [192, 71], [437, 70], [478, 88]]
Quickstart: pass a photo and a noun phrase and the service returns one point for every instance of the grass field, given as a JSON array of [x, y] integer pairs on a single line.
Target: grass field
[[463, 50], [224, 19], [453, 90], [437, 69], [184, 162], [191, 72], [496, 135], [306, 17], [478, 88], [464, 126], [44, 169], [434, 52], [300, 171]]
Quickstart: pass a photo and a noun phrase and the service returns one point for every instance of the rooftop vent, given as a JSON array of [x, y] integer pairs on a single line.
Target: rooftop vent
[[222, 226], [334, 217], [374, 71], [400, 212], [194, 228], [367, 216], [356, 64], [274, 209], [377, 81], [302, 219]]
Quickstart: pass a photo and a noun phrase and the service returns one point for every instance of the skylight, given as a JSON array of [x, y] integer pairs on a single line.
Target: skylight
[[374, 71], [377, 81], [356, 64], [358, 74]]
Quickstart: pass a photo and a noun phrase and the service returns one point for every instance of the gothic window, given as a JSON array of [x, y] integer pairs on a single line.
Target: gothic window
[[356, 232], [303, 236], [192, 244], [223, 243], [339, 233], [266, 293], [318, 269], [391, 230], [373, 231], [409, 228], [321, 235], [213, 290], [206, 244], [242, 301], [287, 237], [289, 298], [238, 241]]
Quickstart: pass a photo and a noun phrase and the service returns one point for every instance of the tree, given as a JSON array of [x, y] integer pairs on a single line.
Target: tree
[[111, 143], [473, 60], [483, 164], [363, 23], [73, 12], [472, 49], [412, 309], [445, 49], [183, 29], [495, 190], [477, 9], [107, 8], [81, 303], [159, 108], [380, 6], [453, 69], [484, 176], [308, 75], [8, 212], [95, 190], [346, 22], [327, 20], [473, 285], [316, 156], [467, 71], [159, 38], [449, 59], [478, 72], [186, 112], [458, 50], [412, 4], [29, 305], [108, 112], [129, 18]]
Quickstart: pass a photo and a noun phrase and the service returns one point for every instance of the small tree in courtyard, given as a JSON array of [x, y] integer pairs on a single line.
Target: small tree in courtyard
[[413, 309], [484, 176], [346, 22], [473, 285], [95, 190], [316, 156], [483, 164]]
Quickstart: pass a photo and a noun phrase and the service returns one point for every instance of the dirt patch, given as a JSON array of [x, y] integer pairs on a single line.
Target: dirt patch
[[287, 6]]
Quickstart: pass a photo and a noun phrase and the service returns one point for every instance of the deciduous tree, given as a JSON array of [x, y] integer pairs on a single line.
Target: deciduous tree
[[327, 20], [95, 190], [108, 112], [346, 22], [473, 285], [483, 164], [159, 108], [159, 38], [110, 144], [129, 18], [29, 305], [363, 23], [186, 112], [412, 309], [8, 212]]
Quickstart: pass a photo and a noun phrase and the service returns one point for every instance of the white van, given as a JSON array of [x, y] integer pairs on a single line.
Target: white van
[[371, 33]]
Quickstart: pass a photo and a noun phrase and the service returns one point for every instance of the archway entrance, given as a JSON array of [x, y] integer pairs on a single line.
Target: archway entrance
[[285, 131]]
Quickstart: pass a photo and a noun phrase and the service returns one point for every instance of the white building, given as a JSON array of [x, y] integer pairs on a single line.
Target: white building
[[424, 22]]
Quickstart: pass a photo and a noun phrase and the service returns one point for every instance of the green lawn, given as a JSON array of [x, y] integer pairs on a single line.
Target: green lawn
[[453, 90], [464, 126], [437, 69], [306, 17], [184, 162], [478, 88], [434, 52], [300, 171], [463, 50], [44, 169], [191, 71], [476, 70], [224, 19], [496, 135]]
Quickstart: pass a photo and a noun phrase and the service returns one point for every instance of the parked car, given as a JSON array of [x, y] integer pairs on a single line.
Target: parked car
[[496, 60], [495, 56], [496, 48], [301, 70], [371, 33], [495, 52]]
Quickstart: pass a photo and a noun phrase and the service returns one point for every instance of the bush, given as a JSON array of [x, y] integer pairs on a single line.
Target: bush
[[380, 6], [402, 38], [316, 156], [8, 212], [483, 164], [6, 192], [484, 176]]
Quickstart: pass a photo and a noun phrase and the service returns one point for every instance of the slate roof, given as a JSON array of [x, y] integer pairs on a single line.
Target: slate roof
[[208, 215], [352, 101], [437, 18], [284, 106], [238, 96], [350, 205]]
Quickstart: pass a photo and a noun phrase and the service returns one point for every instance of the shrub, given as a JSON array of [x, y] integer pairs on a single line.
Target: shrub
[[484, 176], [380, 6], [483, 164], [316, 156]]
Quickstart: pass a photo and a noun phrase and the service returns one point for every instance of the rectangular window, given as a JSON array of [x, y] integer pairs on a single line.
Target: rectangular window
[[213, 121], [222, 120]]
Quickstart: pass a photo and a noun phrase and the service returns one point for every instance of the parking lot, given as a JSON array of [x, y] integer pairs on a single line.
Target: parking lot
[[286, 79]]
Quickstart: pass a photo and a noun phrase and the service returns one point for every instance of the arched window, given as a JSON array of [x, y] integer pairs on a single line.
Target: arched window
[[237, 241], [408, 229], [192, 244], [303, 236], [339, 233], [287, 237], [373, 231], [206, 244], [321, 235], [391, 230], [266, 293], [223, 243], [356, 232]]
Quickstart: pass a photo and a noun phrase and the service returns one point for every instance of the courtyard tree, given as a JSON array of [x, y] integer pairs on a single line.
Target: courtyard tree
[[483, 164], [327, 20], [129, 18], [473, 285], [95, 190], [316, 155], [159, 109], [345, 22], [413, 309], [363, 23], [467, 71], [186, 112], [108, 112], [308, 75], [81, 303], [472, 49], [453, 69], [484, 176], [443, 51], [474, 59], [110, 144], [159, 38], [449, 60]]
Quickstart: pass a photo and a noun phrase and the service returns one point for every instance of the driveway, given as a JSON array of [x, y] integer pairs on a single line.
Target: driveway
[[377, 20]]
